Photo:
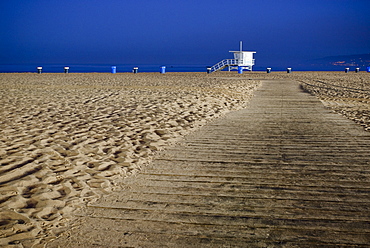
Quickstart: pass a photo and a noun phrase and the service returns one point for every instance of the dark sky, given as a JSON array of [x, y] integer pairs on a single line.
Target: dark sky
[[180, 31]]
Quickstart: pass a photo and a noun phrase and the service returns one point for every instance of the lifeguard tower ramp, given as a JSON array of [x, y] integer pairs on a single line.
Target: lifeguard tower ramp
[[243, 59]]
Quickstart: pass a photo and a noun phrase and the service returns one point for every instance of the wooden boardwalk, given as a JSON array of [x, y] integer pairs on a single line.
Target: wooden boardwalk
[[284, 172]]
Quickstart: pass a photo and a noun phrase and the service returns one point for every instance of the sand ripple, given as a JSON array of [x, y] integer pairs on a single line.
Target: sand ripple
[[66, 139]]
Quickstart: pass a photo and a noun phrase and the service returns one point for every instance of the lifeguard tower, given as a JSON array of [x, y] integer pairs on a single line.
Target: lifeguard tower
[[243, 60]]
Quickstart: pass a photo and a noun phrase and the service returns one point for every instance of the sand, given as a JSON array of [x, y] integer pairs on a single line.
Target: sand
[[345, 93], [67, 139], [348, 95]]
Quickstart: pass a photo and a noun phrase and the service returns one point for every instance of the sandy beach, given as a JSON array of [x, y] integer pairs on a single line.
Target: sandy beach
[[67, 139], [347, 94]]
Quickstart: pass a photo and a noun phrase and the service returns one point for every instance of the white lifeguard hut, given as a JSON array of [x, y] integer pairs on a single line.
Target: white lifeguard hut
[[243, 60]]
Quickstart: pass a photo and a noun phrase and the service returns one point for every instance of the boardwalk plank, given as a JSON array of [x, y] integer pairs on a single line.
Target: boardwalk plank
[[284, 172]]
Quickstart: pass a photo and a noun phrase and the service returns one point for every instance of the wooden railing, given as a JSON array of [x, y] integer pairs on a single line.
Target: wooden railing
[[226, 62]]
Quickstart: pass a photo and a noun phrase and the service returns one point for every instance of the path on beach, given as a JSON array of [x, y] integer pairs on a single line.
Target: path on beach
[[285, 171]]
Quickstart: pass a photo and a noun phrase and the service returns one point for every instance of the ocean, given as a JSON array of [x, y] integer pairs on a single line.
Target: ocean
[[107, 68], [101, 68]]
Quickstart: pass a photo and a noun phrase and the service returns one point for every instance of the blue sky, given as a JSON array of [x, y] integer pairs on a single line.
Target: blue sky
[[180, 31]]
